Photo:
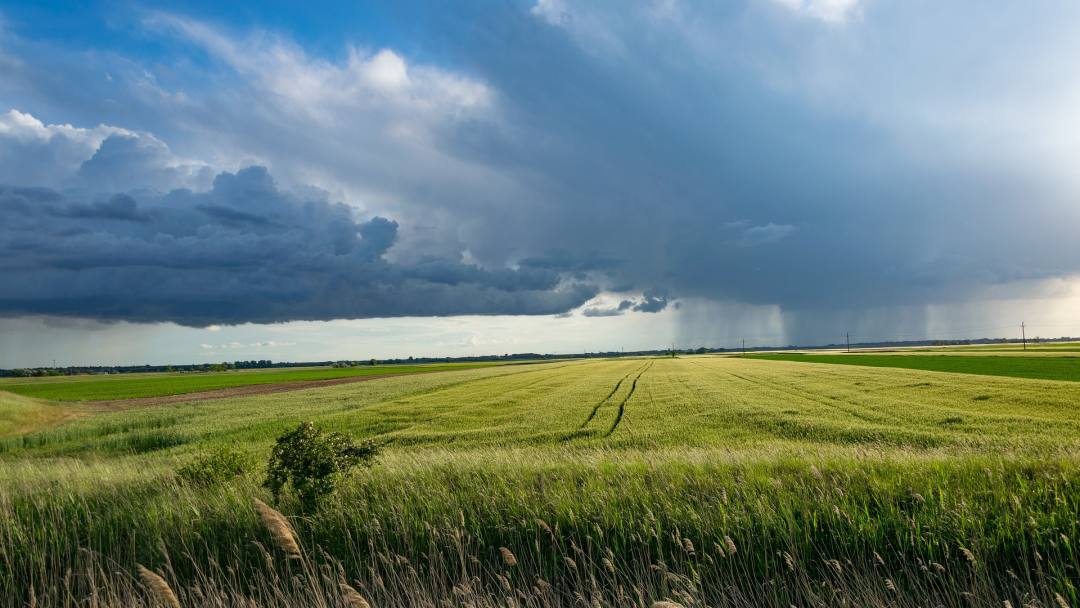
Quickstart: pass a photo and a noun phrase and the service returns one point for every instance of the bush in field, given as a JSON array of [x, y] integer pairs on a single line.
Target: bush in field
[[216, 466], [312, 461]]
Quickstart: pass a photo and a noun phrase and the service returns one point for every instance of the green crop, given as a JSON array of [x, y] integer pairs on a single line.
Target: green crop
[[1040, 367], [127, 386], [695, 480]]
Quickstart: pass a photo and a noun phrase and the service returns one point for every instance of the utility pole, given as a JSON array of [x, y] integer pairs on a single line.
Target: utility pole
[[1023, 334], [744, 347], [847, 337]]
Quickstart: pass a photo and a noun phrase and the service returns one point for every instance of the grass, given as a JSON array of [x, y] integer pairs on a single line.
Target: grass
[[703, 481], [127, 386], [1041, 367], [20, 414]]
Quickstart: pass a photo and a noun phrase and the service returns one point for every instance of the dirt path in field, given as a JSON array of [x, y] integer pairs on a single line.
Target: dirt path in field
[[596, 407], [232, 391], [622, 404]]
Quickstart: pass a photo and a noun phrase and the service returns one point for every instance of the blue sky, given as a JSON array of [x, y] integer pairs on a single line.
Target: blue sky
[[266, 181]]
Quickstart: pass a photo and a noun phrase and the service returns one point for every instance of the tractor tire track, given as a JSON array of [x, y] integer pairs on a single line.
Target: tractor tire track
[[596, 408], [622, 404]]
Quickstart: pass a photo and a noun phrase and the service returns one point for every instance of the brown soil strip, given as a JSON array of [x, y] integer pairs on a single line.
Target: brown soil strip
[[232, 391]]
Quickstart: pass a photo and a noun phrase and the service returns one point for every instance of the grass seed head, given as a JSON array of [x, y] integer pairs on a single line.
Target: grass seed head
[[157, 587], [730, 544], [969, 556], [508, 557], [279, 528], [352, 597]]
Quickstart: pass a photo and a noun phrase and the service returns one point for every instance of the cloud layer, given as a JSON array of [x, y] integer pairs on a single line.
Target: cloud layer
[[243, 251], [828, 158]]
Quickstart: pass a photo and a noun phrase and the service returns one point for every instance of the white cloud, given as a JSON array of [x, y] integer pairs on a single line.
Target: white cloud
[[34, 153], [829, 11], [380, 81], [246, 345], [554, 12], [102, 158], [371, 128], [750, 235], [763, 235]]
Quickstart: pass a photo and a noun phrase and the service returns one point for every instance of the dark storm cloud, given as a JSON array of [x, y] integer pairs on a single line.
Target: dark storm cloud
[[767, 153], [652, 301], [602, 312], [243, 251], [118, 207], [709, 154]]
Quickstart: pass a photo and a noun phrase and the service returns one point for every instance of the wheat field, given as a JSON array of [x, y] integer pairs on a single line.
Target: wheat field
[[697, 481]]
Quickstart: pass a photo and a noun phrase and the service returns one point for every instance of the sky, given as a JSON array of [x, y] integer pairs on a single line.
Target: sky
[[261, 181]]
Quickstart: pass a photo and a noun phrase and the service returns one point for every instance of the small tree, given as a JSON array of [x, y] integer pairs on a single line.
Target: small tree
[[312, 461]]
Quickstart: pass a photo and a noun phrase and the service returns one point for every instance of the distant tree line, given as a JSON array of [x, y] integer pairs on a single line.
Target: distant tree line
[[135, 369], [266, 363]]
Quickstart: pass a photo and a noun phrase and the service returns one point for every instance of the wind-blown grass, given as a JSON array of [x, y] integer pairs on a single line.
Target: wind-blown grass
[[727, 482]]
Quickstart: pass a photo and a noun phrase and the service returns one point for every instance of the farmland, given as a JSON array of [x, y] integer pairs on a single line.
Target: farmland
[[1041, 367], [720, 481], [128, 386]]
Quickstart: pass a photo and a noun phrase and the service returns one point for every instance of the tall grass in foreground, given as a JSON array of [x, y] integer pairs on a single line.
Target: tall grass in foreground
[[532, 528]]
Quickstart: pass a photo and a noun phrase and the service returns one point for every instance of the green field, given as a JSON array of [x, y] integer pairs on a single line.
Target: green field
[[127, 386], [1041, 367], [1031, 347], [697, 480]]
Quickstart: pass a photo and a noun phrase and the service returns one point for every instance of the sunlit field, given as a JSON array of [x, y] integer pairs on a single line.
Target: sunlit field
[[718, 481], [128, 386], [1011, 363]]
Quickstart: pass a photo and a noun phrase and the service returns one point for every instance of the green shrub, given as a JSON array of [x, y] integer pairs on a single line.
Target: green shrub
[[312, 461], [216, 466]]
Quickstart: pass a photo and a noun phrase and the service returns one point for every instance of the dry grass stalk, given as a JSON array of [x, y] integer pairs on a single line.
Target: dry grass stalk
[[969, 556], [352, 597], [790, 561], [508, 557], [730, 544], [279, 528], [157, 587], [878, 559], [666, 604]]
